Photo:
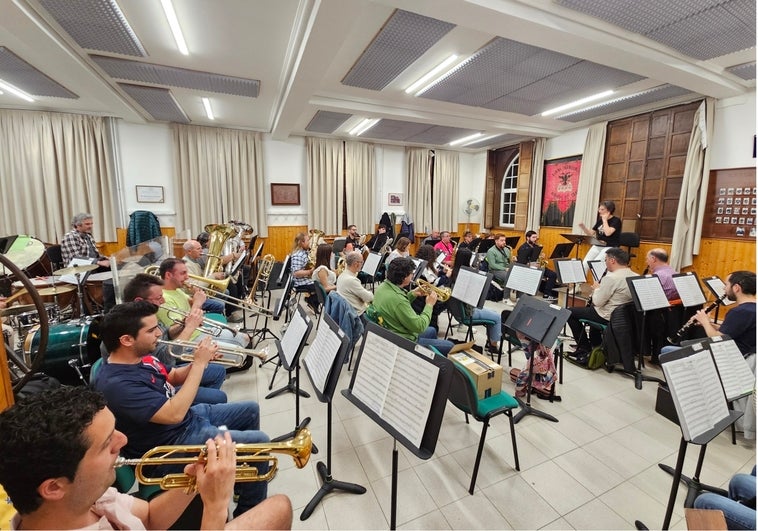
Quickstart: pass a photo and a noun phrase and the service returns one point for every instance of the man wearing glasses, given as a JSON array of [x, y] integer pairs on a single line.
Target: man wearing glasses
[[350, 287], [606, 297]]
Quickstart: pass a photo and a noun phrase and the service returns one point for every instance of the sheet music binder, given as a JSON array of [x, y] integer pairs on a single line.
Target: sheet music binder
[[523, 278], [647, 293], [471, 286], [293, 340], [325, 357], [408, 355], [538, 320]]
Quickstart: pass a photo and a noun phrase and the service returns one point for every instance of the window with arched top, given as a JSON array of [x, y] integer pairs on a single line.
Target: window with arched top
[[508, 190]]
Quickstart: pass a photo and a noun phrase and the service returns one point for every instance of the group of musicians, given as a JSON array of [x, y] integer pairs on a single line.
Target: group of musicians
[[153, 400]]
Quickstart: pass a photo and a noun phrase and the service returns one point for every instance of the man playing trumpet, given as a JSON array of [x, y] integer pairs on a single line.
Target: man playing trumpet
[[57, 457], [148, 408]]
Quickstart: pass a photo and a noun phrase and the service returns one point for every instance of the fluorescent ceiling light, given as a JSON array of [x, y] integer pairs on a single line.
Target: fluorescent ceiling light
[[208, 110], [431, 74], [465, 139], [578, 103], [363, 126], [443, 75], [479, 140], [16, 92], [173, 23]]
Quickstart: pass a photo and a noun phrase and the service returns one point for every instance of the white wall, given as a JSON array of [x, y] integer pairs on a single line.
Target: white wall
[[284, 162], [733, 133], [566, 145]]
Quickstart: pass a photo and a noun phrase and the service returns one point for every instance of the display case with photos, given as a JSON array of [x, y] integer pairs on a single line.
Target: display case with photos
[[728, 209]]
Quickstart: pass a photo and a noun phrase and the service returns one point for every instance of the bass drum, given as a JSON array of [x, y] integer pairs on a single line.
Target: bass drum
[[72, 340], [29, 255]]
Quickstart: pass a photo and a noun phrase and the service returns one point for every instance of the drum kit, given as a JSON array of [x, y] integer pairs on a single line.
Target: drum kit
[[40, 328]]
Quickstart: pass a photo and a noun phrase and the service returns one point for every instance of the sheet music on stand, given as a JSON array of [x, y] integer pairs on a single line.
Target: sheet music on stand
[[523, 278], [402, 386], [718, 288], [647, 293], [471, 286], [736, 377], [71, 278], [327, 351], [688, 287], [420, 266], [597, 268], [371, 264], [440, 258], [570, 271], [696, 390], [294, 337]]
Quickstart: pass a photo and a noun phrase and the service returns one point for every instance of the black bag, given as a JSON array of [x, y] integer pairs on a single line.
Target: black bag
[[38, 383]]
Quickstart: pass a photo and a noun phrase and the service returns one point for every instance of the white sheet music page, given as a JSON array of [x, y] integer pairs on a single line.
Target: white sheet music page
[[397, 385], [469, 286], [650, 293], [320, 356], [697, 393], [571, 271], [524, 279], [689, 290], [371, 264], [598, 268], [735, 373], [718, 288], [293, 337]]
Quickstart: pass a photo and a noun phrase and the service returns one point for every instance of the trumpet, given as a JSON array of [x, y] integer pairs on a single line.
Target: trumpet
[[299, 448], [230, 356], [208, 326], [443, 294]]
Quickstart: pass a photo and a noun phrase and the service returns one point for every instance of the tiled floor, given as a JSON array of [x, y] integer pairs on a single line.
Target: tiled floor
[[597, 468]]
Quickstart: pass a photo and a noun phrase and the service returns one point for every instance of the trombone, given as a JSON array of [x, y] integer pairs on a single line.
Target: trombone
[[230, 356], [299, 448], [212, 292], [208, 326]]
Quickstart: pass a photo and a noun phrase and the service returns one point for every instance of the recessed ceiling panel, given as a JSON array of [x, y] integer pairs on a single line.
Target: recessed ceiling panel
[[96, 25], [502, 140], [702, 29], [326, 121], [404, 38], [661, 93], [414, 132], [129, 70], [158, 102], [21, 74], [745, 71]]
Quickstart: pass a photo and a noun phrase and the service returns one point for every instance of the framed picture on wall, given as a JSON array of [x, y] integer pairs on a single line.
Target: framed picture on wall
[[395, 199], [560, 185], [285, 194], [150, 194]]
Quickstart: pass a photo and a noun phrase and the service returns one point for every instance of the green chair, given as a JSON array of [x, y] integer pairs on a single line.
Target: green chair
[[457, 310], [463, 395]]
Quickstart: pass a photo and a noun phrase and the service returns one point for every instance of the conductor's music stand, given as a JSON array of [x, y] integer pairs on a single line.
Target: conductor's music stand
[[576, 239], [541, 323], [403, 387], [323, 363], [648, 295]]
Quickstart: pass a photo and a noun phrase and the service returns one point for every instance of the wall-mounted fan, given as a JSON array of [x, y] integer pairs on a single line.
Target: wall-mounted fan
[[471, 207]]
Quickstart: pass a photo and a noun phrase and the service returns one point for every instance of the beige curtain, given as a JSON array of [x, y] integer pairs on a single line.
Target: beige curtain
[[419, 188], [692, 197], [52, 167], [218, 175], [590, 175], [360, 185], [445, 201], [325, 165], [537, 177]]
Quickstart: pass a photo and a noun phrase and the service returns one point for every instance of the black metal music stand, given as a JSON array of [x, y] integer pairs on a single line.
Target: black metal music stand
[[320, 355], [648, 294], [577, 240], [540, 322], [280, 278]]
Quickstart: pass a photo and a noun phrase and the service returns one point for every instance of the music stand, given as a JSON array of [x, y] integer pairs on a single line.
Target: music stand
[[279, 278], [648, 294], [403, 387], [471, 286], [562, 250], [541, 323], [288, 350], [6, 242], [420, 267], [281, 303], [717, 287], [485, 246], [523, 278], [570, 271], [576, 239], [323, 363], [597, 268], [432, 242], [512, 241], [339, 245]]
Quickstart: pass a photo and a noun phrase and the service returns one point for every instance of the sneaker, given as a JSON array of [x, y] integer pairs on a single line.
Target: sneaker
[[548, 298], [236, 317]]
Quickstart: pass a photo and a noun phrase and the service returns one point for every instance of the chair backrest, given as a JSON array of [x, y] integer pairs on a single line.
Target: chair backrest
[[621, 336], [93, 373], [55, 255], [462, 392], [629, 239], [456, 309]]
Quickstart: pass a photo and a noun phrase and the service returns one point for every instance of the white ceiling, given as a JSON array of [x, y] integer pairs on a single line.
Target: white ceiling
[[301, 51]]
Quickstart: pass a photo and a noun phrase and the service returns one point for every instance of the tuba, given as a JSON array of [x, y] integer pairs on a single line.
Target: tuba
[[235, 244], [218, 236], [341, 266], [317, 237], [299, 448]]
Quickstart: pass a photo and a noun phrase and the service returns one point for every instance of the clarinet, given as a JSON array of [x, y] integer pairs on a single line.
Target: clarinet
[[676, 338]]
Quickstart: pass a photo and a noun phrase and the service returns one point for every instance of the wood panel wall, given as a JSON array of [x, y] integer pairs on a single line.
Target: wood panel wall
[[6, 391]]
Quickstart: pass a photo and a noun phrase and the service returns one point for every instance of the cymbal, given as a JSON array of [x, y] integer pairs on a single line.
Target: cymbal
[[15, 310], [55, 290], [72, 270]]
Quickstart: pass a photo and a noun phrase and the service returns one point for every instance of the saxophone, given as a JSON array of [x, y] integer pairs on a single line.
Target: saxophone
[[542, 261]]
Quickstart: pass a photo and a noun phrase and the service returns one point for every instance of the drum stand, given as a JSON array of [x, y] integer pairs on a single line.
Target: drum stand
[[80, 295]]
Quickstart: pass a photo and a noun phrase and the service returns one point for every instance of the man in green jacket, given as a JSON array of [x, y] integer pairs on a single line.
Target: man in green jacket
[[499, 259], [393, 304]]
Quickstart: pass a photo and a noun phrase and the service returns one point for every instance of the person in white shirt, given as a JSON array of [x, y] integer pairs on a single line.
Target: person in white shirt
[[350, 287]]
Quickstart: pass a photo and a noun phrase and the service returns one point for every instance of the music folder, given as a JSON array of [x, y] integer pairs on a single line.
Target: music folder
[[688, 288], [371, 264], [420, 266], [597, 268], [570, 270], [647, 293], [402, 386], [538, 320]]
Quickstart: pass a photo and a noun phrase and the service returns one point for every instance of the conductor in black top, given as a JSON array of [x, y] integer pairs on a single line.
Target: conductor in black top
[[530, 252], [607, 229]]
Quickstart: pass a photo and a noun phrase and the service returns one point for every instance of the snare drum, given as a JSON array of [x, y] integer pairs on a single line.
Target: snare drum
[[29, 319], [77, 339]]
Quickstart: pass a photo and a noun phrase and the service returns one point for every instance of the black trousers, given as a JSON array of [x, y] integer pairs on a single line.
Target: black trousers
[[577, 329]]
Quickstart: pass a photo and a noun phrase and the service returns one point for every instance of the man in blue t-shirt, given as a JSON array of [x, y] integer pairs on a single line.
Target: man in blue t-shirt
[[141, 394]]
